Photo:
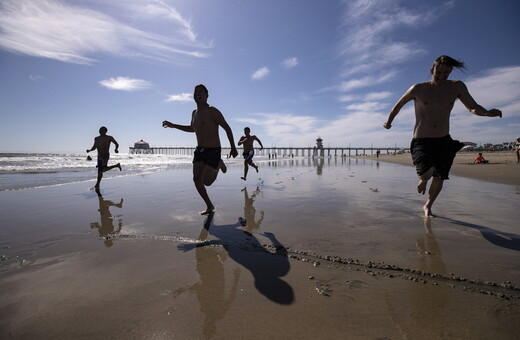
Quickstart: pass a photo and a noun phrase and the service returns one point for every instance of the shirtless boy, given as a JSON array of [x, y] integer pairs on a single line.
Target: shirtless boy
[[205, 121], [433, 150], [247, 140], [102, 144]]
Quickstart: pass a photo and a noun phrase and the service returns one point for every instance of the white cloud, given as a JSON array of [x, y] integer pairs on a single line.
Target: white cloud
[[368, 42], [183, 97], [76, 32], [377, 95], [347, 98], [260, 73], [35, 77], [366, 81], [366, 106], [125, 84], [290, 62]]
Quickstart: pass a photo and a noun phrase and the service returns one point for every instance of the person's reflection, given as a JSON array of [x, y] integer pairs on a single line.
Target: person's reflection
[[106, 228], [414, 311], [211, 289], [318, 163], [430, 259], [250, 211]]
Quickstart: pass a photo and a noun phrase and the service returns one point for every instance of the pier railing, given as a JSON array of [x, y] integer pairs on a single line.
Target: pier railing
[[274, 152]]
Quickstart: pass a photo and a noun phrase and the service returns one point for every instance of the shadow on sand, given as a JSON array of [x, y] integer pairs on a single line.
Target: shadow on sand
[[267, 263], [497, 237]]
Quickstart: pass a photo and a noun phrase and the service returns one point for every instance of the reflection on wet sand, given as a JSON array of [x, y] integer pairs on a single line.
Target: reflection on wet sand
[[250, 211], [106, 228], [211, 289], [428, 305]]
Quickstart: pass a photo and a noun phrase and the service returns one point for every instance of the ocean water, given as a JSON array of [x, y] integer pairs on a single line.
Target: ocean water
[[33, 170]]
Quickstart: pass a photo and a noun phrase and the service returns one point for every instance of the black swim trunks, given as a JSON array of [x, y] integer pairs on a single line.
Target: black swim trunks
[[438, 153], [210, 156], [102, 162], [248, 155]]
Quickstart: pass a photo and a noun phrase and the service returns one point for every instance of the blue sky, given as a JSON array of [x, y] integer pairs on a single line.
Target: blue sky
[[291, 70]]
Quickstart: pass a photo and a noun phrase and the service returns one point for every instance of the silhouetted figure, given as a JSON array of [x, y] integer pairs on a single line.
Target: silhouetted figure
[[102, 144], [247, 141], [432, 148], [207, 161]]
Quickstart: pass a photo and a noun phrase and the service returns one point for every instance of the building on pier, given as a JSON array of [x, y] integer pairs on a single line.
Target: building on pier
[[141, 147]]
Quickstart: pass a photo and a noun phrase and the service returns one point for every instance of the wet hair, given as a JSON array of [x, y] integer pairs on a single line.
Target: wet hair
[[103, 128], [449, 61], [247, 128], [203, 87]]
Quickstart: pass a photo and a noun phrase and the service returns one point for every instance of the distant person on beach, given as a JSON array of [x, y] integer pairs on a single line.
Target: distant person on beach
[[480, 159], [102, 144], [247, 141], [432, 148], [517, 147], [207, 161]]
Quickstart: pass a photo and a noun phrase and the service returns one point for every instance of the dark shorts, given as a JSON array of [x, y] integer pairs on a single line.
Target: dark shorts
[[210, 156], [438, 153], [248, 155], [102, 161]]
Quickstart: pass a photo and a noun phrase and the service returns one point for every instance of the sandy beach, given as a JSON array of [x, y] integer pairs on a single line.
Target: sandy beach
[[305, 249]]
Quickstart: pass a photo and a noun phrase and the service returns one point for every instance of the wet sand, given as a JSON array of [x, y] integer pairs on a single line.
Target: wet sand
[[303, 250]]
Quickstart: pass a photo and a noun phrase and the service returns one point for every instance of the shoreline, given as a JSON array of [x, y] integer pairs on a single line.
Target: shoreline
[[502, 167]]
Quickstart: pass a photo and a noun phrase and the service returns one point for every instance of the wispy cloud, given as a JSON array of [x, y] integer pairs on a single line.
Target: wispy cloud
[[182, 98], [260, 73], [290, 62], [35, 77], [125, 84], [365, 81], [368, 33], [80, 32]]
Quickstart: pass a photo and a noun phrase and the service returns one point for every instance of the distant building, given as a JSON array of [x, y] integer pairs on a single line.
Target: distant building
[[141, 145], [319, 152], [319, 143]]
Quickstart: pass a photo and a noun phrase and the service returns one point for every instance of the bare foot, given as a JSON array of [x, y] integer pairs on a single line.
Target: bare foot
[[223, 167], [208, 211], [421, 187], [256, 168], [119, 166], [428, 212], [243, 178]]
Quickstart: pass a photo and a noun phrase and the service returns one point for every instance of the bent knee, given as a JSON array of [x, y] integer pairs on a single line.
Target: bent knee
[[425, 176]]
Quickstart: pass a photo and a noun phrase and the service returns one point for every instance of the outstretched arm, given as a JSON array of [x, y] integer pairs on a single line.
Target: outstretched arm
[[186, 128], [409, 95], [472, 105]]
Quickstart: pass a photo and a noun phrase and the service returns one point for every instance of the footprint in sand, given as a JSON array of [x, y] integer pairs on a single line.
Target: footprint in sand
[[356, 284]]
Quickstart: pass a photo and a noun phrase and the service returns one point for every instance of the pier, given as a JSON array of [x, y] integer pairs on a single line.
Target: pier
[[283, 152]]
